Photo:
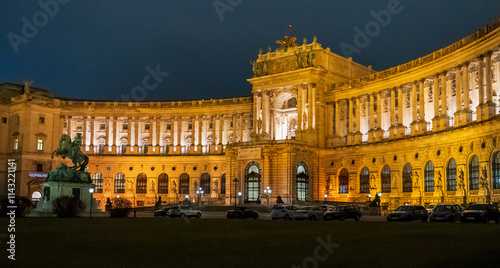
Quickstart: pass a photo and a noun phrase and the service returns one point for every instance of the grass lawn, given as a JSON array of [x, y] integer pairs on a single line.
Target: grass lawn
[[165, 242]]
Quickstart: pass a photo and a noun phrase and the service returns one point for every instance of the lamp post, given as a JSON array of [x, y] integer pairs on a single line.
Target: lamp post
[[379, 194], [239, 197], [235, 189], [369, 197], [187, 197], [91, 191], [199, 192], [268, 192], [326, 197]]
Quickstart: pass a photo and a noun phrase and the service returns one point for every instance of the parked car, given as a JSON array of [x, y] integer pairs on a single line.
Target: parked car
[[183, 211], [283, 212], [343, 212], [242, 213], [327, 207], [430, 207], [446, 212], [408, 213], [481, 213], [310, 213], [161, 212]]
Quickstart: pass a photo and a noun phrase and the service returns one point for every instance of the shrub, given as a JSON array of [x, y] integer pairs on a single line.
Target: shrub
[[22, 203], [120, 208], [67, 207]]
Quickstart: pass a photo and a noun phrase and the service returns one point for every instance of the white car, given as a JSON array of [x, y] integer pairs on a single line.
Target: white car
[[283, 212], [183, 211], [310, 213]]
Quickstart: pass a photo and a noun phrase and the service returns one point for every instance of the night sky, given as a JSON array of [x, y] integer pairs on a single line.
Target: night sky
[[101, 50]]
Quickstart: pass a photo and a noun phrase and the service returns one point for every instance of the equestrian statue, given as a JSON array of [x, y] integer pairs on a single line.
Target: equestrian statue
[[72, 151]]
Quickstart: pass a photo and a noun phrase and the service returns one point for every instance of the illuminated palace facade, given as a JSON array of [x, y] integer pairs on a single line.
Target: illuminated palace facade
[[318, 126]]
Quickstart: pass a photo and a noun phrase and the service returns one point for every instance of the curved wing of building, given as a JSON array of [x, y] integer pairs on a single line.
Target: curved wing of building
[[318, 127]]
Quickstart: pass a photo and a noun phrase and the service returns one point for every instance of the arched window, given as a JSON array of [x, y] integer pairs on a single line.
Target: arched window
[[141, 184], [184, 184], [495, 171], [302, 181], [344, 181], [451, 175], [474, 173], [223, 184], [407, 181], [97, 181], [386, 179], [163, 183], [429, 177], [120, 183], [364, 180], [252, 182], [205, 183]]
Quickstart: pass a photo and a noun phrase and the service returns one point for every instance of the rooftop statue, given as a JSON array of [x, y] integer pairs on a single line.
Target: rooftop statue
[[288, 41], [72, 151]]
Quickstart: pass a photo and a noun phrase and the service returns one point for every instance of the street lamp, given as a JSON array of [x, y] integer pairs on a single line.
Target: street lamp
[[268, 192], [326, 197], [369, 197], [91, 191], [199, 192], [239, 197], [235, 181], [187, 197]]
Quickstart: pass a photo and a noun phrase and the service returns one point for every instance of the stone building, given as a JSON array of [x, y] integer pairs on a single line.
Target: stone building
[[318, 127]]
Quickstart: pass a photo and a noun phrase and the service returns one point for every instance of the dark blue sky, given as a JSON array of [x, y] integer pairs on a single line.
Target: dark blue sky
[[100, 49]]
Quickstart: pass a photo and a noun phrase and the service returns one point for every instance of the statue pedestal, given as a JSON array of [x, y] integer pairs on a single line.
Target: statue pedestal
[[65, 181]]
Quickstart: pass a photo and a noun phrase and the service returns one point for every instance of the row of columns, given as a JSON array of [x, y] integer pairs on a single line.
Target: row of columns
[[221, 125], [462, 111]]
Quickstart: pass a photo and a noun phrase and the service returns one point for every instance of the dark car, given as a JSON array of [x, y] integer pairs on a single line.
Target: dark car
[[242, 213], [161, 212], [481, 213], [408, 213], [343, 212], [446, 212]]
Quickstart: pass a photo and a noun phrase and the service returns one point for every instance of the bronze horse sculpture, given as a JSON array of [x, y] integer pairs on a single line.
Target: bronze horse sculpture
[[72, 151]]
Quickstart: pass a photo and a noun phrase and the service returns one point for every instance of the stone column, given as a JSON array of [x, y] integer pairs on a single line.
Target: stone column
[[158, 135], [85, 134], [489, 107], [358, 135], [444, 120], [213, 146], [329, 123], [150, 134], [265, 114], [379, 132], [371, 109], [193, 135], [108, 135], [466, 113], [458, 95], [393, 129], [240, 128], [313, 106], [422, 124], [92, 133], [435, 100], [70, 126], [115, 135], [221, 132], [400, 128], [300, 107], [310, 106], [129, 135], [413, 100], [136, 135], [200, 136], [255, 117], [338, 130], [178, 132], [350, 137]]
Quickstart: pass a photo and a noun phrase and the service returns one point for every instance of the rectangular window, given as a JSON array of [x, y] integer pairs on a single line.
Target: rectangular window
[[211, 125], [40, 145], [169, 126], [102, 126], [124, 148], [231, 123], [39, 167], [16, 144], [190, 126], [101, 148], [147, 126], [145, 149], [41, 120], [4, 120], [125, 126]]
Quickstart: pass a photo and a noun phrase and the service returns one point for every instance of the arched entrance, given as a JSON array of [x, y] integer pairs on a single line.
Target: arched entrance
[[252, 183]]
